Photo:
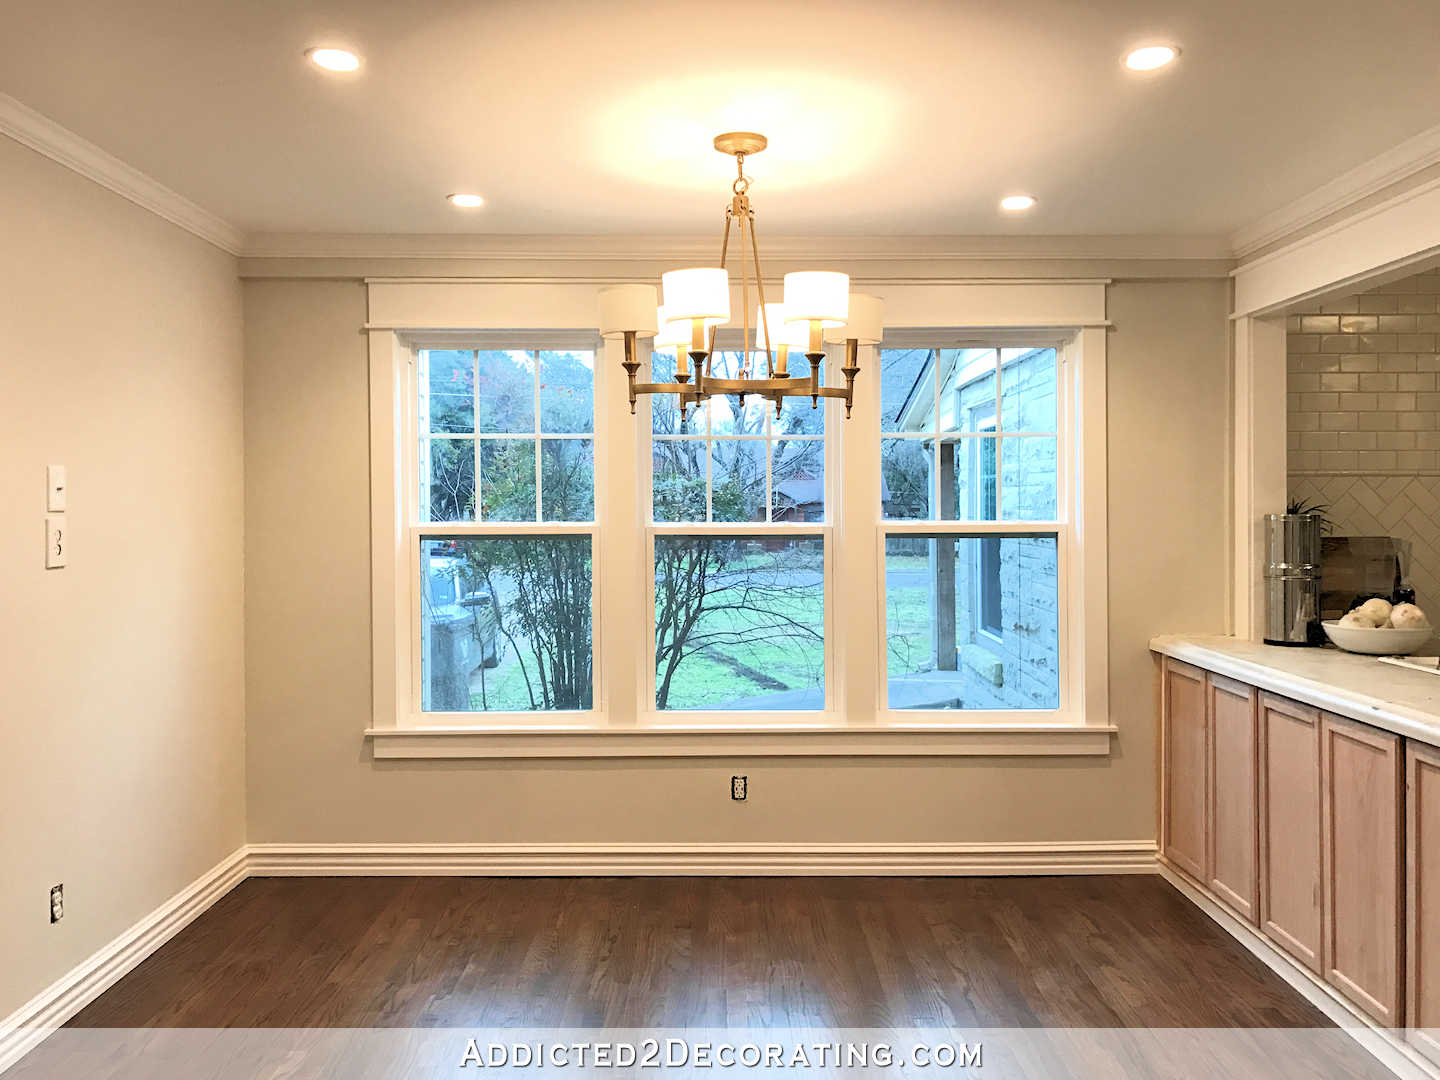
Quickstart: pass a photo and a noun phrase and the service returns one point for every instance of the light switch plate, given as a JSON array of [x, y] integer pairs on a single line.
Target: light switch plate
[[57, 542], [54, 488]]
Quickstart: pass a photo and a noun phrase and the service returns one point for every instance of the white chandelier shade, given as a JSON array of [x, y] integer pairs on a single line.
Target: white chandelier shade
[[865, 325], [775, 332], [674, 333], [698, 293], [821, 296], [628, 307]]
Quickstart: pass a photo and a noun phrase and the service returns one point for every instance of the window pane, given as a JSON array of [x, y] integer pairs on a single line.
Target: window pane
[[1027, 378], [737, 480], [447, 480], [506, 388], [739, 623], [505, 624], [907, 390], [797, 473], [972, 622], [507, 479], [905, 466], [567, 479], [567, 392], [1027, 478], [967, 389], [967, 479], [678, 485], [448, 394]]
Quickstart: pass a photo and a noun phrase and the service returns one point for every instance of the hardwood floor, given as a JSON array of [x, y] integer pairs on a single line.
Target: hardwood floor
[[652, 952]]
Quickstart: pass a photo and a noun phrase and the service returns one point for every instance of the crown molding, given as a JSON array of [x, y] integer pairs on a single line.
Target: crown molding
[[63, 146], [580, 248], [1392, 167]]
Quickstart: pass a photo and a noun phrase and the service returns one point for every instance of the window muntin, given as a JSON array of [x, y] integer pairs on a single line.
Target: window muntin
[[730, 463], [482, 454], [969, 437], [503, 536], [740, 618]]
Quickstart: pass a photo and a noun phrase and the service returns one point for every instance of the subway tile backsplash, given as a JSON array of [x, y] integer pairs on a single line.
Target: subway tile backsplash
[[1364, 403], [1364, 384]]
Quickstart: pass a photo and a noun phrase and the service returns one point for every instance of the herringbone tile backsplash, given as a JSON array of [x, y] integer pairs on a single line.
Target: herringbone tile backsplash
[[1364, 424], [1403, 506]]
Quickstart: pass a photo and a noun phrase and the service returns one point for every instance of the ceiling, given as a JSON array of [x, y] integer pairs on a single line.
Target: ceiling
[[890, 117]]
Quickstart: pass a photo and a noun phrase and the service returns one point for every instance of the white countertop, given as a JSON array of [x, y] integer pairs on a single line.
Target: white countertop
[[1397, 699]]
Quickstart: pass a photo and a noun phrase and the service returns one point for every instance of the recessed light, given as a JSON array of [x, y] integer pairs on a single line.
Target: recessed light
[[1151, 57], [1017, 202], [461, 198], [334, 59]]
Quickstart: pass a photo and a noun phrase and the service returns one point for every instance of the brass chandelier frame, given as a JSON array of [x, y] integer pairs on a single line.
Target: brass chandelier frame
[[776, 386]]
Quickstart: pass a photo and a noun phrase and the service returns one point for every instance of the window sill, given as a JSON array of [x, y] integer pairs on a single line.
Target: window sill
[[914, 740]]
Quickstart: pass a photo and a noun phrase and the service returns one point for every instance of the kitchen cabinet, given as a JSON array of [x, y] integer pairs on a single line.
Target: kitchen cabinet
[[1232, 795], [1185, 841], [1422, 898], [1362, 776], [1291, 848]]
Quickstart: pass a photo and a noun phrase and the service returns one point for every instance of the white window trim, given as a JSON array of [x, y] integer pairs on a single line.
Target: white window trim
[[855, 721]]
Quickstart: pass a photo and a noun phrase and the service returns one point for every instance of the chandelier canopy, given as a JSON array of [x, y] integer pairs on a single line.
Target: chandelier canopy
[[817, 308]]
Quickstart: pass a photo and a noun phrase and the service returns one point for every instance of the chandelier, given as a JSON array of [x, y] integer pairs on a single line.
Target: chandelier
[[817, 308]]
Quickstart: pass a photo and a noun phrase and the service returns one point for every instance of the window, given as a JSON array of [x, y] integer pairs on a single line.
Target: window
[[554, 577], [969, 446], [738, 535], [504, 531]]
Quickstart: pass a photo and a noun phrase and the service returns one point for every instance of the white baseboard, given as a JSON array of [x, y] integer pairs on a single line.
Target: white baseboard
[[48, 1010], [1386, 1045], [720, 860]]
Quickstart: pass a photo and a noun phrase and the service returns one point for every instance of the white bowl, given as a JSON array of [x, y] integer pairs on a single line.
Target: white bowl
[[1380, 640]]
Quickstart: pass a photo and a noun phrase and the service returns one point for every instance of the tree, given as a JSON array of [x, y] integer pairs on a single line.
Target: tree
[[715, 594], [541, 585]]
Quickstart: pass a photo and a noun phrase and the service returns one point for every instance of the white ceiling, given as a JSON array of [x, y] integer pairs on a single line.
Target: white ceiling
[[894, 116]]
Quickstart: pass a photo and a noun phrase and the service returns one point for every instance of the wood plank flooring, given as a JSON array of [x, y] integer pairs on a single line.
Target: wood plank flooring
[[666, 952]]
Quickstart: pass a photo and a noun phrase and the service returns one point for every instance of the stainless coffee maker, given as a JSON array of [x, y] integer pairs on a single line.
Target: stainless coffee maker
[[1292, 580]]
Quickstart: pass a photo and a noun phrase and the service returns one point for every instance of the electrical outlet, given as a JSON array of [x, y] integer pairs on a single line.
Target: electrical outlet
[[738, 786], [57, 903]]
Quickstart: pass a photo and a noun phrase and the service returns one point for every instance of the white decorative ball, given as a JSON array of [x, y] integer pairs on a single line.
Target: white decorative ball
[[1407, 617], [1376, 610]]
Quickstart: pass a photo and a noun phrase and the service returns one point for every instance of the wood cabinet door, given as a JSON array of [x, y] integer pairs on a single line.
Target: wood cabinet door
[[1233, 818], [1422, 897], [1183, 825], [1361, 768], [1291, 897]]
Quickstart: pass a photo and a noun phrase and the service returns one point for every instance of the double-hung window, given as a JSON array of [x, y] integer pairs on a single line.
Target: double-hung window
[[975, 525], [503, 529], [737, 530]]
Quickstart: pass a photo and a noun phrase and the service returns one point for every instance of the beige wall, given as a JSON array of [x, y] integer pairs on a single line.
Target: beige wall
[[310, 775], [121, 687]]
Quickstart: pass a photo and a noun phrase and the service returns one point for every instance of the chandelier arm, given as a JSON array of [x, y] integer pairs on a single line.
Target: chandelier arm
[[738, 206], [724, 251], [760, 292]]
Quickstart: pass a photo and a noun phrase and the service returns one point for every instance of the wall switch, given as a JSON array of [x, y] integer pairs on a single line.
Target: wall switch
[[57, 903], [56, 542], [54, 488], [738, 786]]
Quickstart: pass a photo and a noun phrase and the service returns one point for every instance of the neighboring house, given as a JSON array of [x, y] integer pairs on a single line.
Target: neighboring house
[[994, 601]]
